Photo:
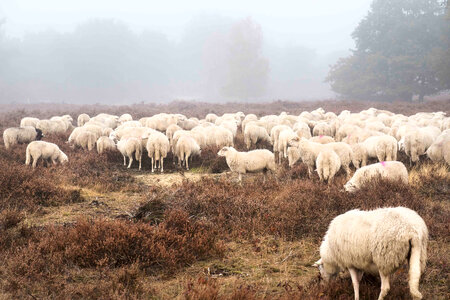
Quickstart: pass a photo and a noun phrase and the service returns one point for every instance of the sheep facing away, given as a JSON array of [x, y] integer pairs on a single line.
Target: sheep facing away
[[245, 162], [390, 170], [255, 133], [21, 135], [328, 164], [104, 144], [157, 147], [185, 148], [377, 242], [128, 147], [46, 151]]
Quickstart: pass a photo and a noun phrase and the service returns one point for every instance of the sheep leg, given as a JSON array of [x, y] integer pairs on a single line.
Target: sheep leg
[[240, 178], [187, 162], [162, 164], [131, 161], [347, 171], [152, 164], [356, 277], [124, 160], [384, 286], [140, 163], [34, 162]]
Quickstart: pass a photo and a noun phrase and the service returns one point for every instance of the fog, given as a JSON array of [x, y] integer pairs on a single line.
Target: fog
[[144, 51]]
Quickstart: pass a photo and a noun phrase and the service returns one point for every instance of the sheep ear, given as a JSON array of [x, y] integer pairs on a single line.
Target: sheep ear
[[317, 263]]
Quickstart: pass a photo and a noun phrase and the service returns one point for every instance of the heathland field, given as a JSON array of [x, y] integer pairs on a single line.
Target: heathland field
[[93, 229]]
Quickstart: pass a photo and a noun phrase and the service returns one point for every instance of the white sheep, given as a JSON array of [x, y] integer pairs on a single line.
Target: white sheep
[[253, 134], [20, 135], [283, 139], [211, 118], [104, 143], [82, 119], [252, 161], [359, 155], [129, 146], [86, 140], [439, 151], [125, 118], [274, 135], [29, 121], [44, 150], [377, 242], [328, 164], [293, 155], [185, 148], [418, 141], [302, 129], [389, 170], [381, 147], [157, 147], [322, 139], [322, 128]]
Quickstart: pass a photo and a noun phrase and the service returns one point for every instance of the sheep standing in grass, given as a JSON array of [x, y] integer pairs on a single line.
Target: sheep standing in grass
[[377, 242], [328, 164], [185, 148], [157, 147], [245, 162], [322, 128], [86, 140], [104, 144], [82, 119], [20, 135], [359, 155], [29, 121], [439, 151], [284, 137], [44, 150], [381, 147], [129, 146], [254, 134], [418, 141], [293, 155], [390, 170]]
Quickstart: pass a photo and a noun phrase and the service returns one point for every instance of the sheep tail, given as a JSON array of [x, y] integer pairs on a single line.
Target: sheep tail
[[416, 264], [28, 156]]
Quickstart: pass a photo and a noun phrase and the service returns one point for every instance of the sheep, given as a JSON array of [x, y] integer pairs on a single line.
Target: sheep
[[44, 150], [359, 155], [157, 147], [171, 129], [86, 140], [185, 148], [51, 127], [252, 161], [275, 134], [381, 147], [439, 151], [302, 129], [322, 139], [187, 124], [230, 125], [418, 141], [328, 164], [322, 128], [389, 170], [104, 143], [66, 120], [211, 118], [125, 118], [378, 242], [255, 133], [293, 155], [129, 146], [20, 135], [29, 121], [284, 137]]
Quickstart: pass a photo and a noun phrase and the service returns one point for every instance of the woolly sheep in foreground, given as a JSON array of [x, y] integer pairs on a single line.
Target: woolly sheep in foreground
[[157, 147], [377, 242], [390, 170], [86, 140], [328, 164], [29, 121], [44, 150], [248, 162], [439, 151], [20, 135], [255, 133], [104, 144], [129, 146], [185, 148], [381, 147]]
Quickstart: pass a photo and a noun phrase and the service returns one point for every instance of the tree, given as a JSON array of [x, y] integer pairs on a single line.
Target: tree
[[248, 71], [399, 46]]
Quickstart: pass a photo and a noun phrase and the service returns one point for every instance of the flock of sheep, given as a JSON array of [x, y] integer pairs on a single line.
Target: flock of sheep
[[324, 141]]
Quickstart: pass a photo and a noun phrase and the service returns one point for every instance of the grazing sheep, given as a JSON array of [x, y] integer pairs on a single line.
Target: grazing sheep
[[302, 130], [322, 128], [328, 164], [284, 137], [51, 126], [359, 155], [439, 151], [211, 118], [255, 133], [381, 147], [104, 143], [44, 150], [125, 118], [21, 135], [378, 242], [29, 121], [322, 139], [157, 147], [274, 135], [390, 170], [418, 141], [129, 146], [293, 155], [252, 161], [231, 126], [187, 124], [86, 140], [185, 148]]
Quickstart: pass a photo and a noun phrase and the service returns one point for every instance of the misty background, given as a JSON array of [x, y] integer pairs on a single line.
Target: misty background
[[138, 51]]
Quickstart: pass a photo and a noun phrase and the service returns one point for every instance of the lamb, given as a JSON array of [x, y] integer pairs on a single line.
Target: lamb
[[20, 135], [439, 151], [44, 150], [375, 241], [86, 140], [157, 147], [255, 133], [29, 121], [389, 170], [382, 147], [252, 161], [328, 164], [128, 147], [185, 148], [104, 143]]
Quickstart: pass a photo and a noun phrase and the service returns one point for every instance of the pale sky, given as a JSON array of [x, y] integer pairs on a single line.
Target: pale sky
[[322, 25]]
